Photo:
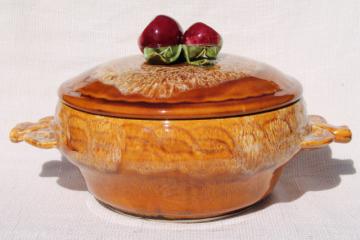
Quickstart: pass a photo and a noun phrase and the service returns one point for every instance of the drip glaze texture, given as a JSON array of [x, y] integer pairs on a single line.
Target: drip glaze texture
[[181, 168], [179, 141], [128, 87]]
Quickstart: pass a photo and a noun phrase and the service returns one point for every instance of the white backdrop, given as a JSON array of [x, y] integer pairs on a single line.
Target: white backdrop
[[43, 43]]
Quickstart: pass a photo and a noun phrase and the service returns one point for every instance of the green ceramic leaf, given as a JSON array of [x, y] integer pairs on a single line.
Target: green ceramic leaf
[[162, 55], [213, 51], [200, 55]]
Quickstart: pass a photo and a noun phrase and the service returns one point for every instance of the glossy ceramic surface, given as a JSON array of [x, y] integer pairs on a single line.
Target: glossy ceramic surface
[[162, 31], [128, 87], [181, 169], [179, 141]]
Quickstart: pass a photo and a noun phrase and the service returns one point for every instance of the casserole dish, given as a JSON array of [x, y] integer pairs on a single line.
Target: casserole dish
[[180, 141]]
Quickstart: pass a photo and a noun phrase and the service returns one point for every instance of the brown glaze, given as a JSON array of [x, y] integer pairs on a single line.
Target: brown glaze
[[232, 90], [128, 87], [181, 168], [163, 155], [206, 146], [174, 195]]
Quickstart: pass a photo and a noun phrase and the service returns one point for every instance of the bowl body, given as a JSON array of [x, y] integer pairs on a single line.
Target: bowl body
[[181, 169]]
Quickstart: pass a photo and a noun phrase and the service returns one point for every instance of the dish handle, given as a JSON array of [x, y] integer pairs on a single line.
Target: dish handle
[[322, 134], [40, 134]]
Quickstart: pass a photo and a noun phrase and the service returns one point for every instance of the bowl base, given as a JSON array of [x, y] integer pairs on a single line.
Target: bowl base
[[231, 214]]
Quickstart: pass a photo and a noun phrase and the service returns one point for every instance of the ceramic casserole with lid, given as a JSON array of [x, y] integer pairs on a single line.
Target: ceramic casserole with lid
[[180, 141], [184, 134]]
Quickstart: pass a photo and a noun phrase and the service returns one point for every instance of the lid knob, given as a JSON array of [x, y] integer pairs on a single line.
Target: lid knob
[[162, 42]]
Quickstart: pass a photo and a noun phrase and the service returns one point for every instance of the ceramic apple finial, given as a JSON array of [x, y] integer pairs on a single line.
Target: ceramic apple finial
[[160, 41], [201, 44]]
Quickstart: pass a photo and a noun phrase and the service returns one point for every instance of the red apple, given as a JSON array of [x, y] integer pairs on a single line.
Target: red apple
[[201, 44], [163, 31], [201, 34]]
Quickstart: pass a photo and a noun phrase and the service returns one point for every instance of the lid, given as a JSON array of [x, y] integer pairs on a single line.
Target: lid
[[129, 87]]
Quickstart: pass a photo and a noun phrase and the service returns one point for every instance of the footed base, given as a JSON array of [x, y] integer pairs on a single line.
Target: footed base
[[231, 214]]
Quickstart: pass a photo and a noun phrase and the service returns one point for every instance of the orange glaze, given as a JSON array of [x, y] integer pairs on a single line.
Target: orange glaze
[[173, 195], [234, 86]]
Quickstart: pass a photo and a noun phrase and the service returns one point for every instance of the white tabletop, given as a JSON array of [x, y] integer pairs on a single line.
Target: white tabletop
[[43, 43]]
